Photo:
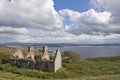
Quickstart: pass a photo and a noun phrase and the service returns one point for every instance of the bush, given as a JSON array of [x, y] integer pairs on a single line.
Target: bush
[[71, 55], [4, 58]]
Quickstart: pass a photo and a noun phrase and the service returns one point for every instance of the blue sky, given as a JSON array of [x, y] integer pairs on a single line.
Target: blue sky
[[76, 5], [60, 21]]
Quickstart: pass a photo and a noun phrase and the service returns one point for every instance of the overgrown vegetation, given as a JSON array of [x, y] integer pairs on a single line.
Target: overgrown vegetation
[[71, 69], [4, 58]]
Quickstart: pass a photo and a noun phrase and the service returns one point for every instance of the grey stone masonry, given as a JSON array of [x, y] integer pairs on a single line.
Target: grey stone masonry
[[43, 61]]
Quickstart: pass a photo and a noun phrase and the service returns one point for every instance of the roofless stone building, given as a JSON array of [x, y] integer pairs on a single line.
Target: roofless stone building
[[43, 61]]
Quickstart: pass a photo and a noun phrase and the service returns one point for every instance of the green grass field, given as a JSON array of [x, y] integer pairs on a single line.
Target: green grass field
[[12, 76]]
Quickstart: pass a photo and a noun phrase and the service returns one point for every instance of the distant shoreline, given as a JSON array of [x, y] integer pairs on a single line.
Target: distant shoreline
[[55, 44]]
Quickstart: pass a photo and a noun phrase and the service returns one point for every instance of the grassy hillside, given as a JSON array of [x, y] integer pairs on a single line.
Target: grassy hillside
[[7, 49], [11, 50], [89, 69]]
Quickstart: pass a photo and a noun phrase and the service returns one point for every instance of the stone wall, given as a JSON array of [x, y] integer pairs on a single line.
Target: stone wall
[[45, 54], [17, 54], [57, 61], [46, 66], [42, 62], [24, 63]]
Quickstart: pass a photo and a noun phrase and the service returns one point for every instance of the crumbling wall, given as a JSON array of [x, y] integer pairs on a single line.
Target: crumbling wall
[[41, 62], [24, 63], [45, 54], [57, 61], [17, 54], [30, 53], [46, 66]]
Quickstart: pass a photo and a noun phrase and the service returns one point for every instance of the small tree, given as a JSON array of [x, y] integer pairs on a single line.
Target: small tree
[[71, 55]]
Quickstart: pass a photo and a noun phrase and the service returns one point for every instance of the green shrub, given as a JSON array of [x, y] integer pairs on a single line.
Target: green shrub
[[71, 55], [4, 58]]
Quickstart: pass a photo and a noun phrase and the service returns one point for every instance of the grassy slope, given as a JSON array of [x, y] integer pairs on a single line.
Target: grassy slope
[[7, 49], [82, 70], [11, 50], [20, 77], [8, 75], [89, 69]]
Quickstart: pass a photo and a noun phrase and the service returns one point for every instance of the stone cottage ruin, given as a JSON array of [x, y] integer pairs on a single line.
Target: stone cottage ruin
[[44, 61]]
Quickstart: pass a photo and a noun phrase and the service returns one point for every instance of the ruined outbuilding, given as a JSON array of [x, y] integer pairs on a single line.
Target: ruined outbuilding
[[44, 61]]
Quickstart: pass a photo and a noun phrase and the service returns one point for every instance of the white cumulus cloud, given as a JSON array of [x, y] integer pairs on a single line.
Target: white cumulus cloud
[[29, 13], [16, 31], [90, 22], [38, 21]]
